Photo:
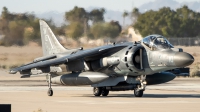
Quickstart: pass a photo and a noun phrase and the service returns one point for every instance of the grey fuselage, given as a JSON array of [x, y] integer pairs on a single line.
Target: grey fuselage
[[122, 62], [125, 65]]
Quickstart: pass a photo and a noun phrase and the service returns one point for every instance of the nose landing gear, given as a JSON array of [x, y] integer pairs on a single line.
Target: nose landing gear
[[138, 92]]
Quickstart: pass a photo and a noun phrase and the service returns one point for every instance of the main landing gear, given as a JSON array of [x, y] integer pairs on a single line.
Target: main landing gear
[[138, 89], [98, 91], [50, 91]]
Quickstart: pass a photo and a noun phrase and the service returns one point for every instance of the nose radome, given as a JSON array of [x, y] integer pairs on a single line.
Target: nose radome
[[182, 59]]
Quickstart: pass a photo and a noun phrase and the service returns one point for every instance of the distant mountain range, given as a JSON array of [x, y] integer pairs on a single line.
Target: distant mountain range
[[58, 17], [157, 4]]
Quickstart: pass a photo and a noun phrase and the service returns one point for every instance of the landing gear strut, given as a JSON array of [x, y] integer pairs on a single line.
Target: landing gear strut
[[50, 91]]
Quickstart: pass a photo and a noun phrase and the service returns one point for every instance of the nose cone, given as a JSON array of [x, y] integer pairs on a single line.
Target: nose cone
[[182, 59]]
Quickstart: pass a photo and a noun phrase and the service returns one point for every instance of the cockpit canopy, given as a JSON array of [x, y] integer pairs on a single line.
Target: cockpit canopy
[[156, 42]]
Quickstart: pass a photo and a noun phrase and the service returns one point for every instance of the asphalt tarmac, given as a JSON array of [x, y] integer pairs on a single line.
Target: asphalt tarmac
[[29, 95]]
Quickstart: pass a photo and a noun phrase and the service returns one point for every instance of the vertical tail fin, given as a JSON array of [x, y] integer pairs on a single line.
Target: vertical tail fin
[[50, 44]]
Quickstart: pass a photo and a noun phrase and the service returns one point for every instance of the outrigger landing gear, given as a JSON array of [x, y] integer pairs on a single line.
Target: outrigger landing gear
[[50, 91]]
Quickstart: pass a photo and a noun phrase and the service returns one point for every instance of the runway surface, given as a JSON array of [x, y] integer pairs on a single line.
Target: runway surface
[[28, 95]]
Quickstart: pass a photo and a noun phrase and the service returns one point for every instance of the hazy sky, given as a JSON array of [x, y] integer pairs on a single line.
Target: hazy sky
[[64, 5]]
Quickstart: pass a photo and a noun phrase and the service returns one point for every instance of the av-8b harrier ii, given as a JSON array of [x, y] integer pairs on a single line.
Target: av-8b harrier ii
[[115, 67]]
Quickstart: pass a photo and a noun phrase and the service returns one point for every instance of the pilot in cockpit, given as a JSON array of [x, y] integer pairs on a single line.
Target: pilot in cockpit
[[155, 42]]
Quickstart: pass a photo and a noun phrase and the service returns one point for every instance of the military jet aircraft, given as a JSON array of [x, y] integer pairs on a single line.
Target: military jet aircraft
[[114, 67]]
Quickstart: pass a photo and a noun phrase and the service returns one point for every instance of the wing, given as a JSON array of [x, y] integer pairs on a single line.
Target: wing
[[83, 54]]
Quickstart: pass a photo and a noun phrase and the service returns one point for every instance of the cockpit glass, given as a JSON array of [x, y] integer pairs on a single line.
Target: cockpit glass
[[157, 42]]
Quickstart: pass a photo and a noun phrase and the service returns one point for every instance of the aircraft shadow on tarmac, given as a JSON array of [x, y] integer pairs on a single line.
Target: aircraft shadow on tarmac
[[148, 96]]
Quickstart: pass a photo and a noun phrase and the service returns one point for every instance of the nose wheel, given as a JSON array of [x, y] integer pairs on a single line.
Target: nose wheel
[[138, 93]]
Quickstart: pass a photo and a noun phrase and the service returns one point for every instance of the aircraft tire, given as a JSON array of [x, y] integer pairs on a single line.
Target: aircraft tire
[[50, 92], [105, 92], [138, 93], [97, 91]]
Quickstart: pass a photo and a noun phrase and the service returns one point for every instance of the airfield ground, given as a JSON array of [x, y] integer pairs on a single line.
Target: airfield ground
[[28, 95]]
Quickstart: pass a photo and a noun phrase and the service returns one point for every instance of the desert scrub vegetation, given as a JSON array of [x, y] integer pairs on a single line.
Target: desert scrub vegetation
[[195, 72], [15, 56]]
